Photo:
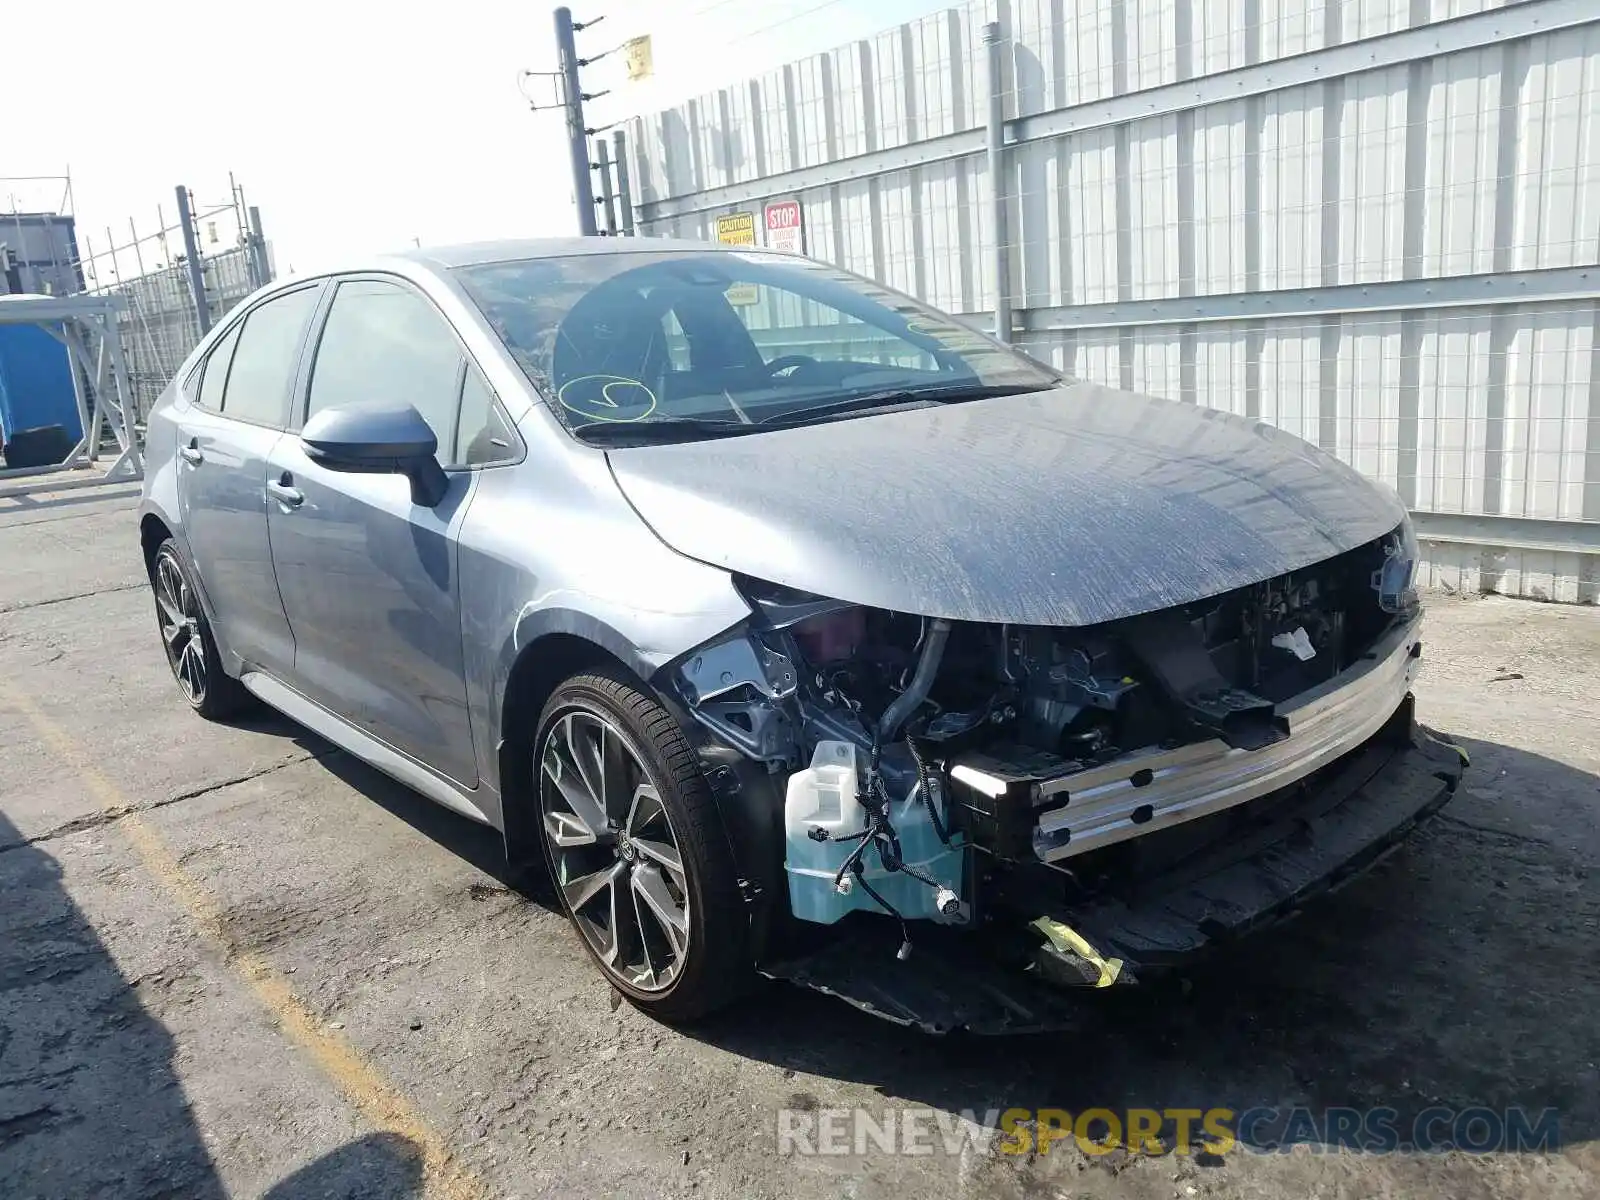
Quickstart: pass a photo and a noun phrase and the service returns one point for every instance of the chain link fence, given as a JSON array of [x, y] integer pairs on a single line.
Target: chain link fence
[[161, 326]]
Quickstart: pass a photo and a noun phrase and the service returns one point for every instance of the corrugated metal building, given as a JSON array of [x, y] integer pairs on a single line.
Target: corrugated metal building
[[1375, 223], [44, 251]]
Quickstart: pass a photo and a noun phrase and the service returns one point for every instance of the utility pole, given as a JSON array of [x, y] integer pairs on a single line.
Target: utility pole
[[607, 205], [577, 132], [624, 193], [197, 274]]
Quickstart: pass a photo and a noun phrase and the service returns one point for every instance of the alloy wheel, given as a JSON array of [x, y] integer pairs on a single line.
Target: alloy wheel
[[614, 853], [178, 610]]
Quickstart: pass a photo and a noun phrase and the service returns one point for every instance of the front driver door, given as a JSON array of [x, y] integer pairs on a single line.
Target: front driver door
[[368, 578]]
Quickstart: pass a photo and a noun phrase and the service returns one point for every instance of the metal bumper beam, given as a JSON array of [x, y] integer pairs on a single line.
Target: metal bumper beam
[[1158, 788]]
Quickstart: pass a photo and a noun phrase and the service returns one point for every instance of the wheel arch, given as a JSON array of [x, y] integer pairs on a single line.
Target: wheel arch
[[538, 669], [748, 804], [152, 532]]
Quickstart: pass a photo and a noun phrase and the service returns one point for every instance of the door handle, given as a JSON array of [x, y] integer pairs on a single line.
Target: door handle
[[283, 491], [191, 452]]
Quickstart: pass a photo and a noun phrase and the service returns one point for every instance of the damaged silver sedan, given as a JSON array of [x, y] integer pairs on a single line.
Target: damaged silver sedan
[[791, 627]]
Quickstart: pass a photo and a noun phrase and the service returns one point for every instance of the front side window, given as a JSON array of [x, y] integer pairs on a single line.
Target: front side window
[[683, 343], [385, 343], [266, 358]]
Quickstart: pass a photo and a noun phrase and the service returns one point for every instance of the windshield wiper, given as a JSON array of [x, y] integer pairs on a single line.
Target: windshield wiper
[[663, 429], [945, 394]]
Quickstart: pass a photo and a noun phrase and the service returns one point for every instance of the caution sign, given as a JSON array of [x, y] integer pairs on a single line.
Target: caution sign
[[739, 229], [641, 61]]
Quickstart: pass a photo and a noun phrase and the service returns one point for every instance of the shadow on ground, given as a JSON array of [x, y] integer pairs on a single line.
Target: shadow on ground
[[90, 1101], [380, 1166], [90, 1104]]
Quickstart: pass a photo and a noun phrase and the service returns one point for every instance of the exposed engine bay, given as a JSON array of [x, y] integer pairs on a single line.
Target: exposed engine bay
[[962, 772]]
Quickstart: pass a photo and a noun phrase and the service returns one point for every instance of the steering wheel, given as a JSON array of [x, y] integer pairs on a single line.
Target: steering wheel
[[790, 362]]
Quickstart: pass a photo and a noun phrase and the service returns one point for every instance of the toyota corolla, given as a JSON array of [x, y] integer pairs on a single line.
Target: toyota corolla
[[788, 626]]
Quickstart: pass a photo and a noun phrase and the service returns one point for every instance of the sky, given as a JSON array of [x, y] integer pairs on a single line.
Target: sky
[[355, 126]]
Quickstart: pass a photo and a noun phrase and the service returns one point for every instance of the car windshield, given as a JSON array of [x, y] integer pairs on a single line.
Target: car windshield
[[679, 344]]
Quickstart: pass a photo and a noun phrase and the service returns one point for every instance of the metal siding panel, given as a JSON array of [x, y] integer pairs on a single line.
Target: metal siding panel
[[849, 112], [1151, 51], [1296, 359], [1372, 177], [1033, 51], [931, 50], [1458, 192], [737, 141], [1371, 18], [1091, 175], [1220, 33], [978, 257], [1099, 356], [899, 234], [1156, 363], [940, 222], [857, 227], [774, 121], [1291, 27], [1220, 367], [1558, 174], [1291, 189], [811, 103], [1547, 391], [1153, 231], [1093, 73], [1367, 392], [1035, 224], [969, 65], [1220, 230], [888, 89]]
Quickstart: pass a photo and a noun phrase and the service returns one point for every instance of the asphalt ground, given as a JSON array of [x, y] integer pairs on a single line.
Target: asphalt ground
[[236, 962]]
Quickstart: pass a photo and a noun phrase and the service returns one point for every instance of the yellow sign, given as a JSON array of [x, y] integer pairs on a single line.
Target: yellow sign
[[636, 53], [739, 229]]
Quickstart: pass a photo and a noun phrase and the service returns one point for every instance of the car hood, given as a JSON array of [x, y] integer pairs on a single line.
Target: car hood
[[1071, 506]]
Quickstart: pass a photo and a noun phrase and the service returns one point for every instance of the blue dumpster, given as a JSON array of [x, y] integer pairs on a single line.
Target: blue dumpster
[[35, 383]]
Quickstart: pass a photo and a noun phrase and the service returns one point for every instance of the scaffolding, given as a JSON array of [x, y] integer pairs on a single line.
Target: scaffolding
[[88, 326], [129, 331]]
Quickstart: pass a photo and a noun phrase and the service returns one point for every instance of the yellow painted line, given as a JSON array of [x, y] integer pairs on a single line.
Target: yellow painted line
[[360, 1083]]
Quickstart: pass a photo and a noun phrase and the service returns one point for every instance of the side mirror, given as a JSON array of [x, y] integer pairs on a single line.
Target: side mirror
[[378, 439]]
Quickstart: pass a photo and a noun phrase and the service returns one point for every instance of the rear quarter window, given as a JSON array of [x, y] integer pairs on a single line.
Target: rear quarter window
[[214, 371]]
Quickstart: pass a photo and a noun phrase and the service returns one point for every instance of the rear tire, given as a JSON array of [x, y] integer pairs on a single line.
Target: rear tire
[[186, 636], [636, 849]]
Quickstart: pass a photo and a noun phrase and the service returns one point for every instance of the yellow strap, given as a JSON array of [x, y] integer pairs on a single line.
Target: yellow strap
[[1070, 941]]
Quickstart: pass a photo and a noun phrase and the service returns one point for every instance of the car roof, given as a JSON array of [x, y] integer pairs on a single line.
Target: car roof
[[474, 253]]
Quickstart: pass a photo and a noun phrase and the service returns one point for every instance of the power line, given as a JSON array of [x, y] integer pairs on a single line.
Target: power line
[[700, 12], [744, 37]]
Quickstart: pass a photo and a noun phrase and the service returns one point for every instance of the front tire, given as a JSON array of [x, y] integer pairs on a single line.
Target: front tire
[[186, 636], [636, 848]]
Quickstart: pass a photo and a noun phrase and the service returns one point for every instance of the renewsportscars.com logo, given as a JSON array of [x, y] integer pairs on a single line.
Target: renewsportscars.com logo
[[1183, 1131]]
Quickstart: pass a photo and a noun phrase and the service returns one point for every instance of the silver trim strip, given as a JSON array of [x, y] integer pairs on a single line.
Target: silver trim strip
[[1205, 777]]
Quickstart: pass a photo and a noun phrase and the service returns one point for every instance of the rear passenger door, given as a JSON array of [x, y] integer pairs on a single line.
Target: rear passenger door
[[368, 577], [235, 415]]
